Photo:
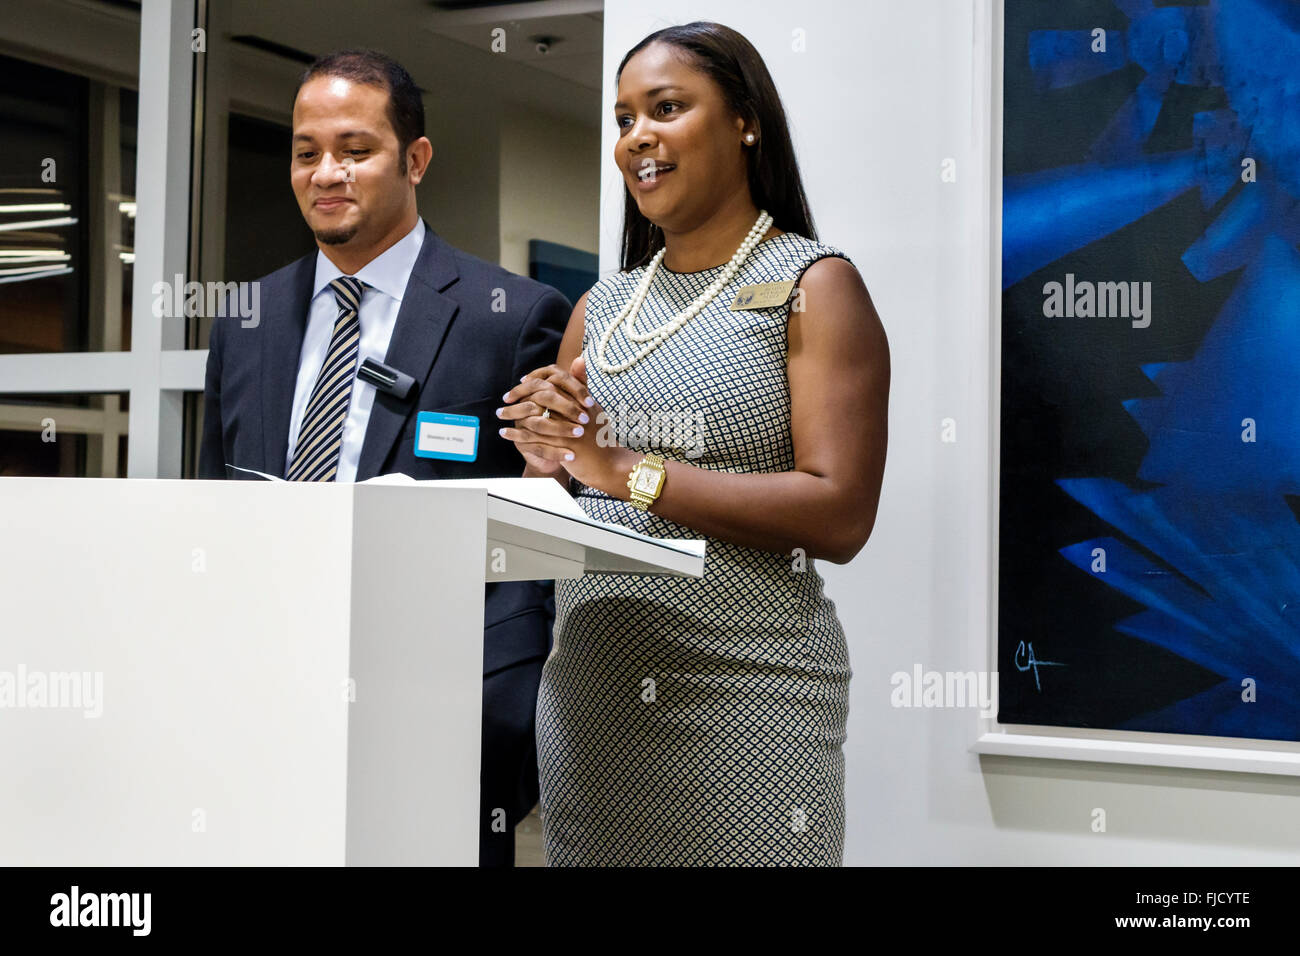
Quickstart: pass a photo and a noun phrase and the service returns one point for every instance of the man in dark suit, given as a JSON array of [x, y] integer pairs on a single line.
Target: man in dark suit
[[282, 395]]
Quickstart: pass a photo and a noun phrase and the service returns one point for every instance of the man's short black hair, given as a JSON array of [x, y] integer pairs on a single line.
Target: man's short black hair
[[405, 106]]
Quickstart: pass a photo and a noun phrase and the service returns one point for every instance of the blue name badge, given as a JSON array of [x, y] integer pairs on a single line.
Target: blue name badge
[[438, 435]]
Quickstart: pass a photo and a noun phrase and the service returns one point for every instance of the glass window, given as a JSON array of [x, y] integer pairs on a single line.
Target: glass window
[[67, 207], [260, 202], [70, 436]]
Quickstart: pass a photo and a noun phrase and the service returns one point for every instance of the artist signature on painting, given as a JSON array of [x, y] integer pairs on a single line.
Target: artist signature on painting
[[1026, 661]]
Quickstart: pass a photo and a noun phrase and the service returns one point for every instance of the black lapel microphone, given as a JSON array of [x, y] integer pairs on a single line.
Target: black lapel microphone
[[385, 379]]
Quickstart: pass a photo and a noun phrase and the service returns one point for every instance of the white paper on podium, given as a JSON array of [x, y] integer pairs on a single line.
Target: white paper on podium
[[547, 495], [253, 471], [544, 493]]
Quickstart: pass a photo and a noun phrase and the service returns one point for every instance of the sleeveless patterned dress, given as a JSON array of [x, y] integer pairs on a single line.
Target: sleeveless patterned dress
[[696, 721]]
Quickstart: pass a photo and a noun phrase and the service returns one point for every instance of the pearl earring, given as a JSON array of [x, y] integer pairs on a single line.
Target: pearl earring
[[749, 138]]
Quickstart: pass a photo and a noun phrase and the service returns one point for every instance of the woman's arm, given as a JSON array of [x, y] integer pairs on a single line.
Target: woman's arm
[[839, 397], [570, 348], [839, 392]]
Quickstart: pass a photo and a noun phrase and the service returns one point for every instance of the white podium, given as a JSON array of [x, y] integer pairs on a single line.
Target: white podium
[[246, 672]]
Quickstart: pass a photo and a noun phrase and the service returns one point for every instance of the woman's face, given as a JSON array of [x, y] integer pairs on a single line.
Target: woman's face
[[679, 148]]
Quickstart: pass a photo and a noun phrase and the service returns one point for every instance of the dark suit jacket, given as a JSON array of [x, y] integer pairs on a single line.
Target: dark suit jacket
[[466, 332]]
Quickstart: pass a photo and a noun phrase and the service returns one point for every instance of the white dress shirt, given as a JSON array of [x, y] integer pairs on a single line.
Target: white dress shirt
[[386, 275]]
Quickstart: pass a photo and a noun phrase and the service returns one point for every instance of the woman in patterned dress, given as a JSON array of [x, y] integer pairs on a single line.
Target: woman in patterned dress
[[686, 721]]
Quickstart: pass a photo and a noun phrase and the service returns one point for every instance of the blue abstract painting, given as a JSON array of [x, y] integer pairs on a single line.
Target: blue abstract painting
[[1149, 525]]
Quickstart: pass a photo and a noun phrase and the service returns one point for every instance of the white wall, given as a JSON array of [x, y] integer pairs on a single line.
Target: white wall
[[884, 92], [460, 194], [550, 184]]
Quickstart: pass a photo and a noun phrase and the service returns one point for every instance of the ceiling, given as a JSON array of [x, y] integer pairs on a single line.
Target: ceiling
[[447, 45], [573, 29]]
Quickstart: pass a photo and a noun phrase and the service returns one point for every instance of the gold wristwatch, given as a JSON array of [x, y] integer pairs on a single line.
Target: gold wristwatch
[[646, 481]]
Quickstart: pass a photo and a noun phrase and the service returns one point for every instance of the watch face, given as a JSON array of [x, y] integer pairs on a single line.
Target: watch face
[[647, 480]]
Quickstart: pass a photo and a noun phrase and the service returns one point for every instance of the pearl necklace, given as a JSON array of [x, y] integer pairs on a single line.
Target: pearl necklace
[[658, 335]]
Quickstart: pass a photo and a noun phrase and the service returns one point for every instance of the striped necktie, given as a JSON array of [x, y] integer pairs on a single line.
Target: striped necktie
[[320, 438]]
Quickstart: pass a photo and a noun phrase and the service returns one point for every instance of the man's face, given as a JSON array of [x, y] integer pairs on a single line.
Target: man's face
[[347, 166]]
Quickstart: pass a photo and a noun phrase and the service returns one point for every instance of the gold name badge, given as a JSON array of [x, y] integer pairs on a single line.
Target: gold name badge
[[762, 296]]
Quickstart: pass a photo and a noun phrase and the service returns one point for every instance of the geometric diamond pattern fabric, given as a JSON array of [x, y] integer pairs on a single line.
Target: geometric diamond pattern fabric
[[684, 721]]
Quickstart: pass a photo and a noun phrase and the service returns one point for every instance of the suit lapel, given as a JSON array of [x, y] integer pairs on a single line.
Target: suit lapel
[[422, 323], [285, 326]]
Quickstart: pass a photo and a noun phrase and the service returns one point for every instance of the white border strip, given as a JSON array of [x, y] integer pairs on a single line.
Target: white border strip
[[43, 373], [163, 135], [65, 372], [1238, 757], [183, 370]]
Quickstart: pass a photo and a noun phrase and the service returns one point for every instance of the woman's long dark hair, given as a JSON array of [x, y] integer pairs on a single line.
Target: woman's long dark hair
[[747, 88]]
